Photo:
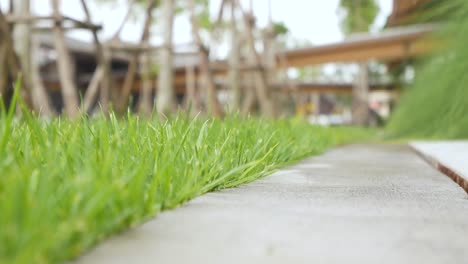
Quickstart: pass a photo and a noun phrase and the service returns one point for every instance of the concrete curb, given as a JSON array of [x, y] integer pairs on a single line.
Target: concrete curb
[[453, 174]]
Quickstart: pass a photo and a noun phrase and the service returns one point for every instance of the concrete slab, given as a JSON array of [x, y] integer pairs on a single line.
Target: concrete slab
[[451, 157], [356, 204]]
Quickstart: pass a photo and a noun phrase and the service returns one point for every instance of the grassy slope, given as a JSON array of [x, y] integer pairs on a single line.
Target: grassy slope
[[65, 186], [437, 105]]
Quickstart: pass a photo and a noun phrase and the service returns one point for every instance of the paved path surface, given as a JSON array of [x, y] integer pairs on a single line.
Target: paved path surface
[[452, 154], [356, 204]]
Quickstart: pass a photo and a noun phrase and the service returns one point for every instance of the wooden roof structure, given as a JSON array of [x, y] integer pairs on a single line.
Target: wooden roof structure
[[391, 44]]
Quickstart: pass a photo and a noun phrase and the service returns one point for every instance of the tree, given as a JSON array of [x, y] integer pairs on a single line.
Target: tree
[[27, 49], [165, 96], [260, 77], [11, 66], [234, 61], [22, 38], [102, 74], [199, 21], [358, 16], [133, 65]]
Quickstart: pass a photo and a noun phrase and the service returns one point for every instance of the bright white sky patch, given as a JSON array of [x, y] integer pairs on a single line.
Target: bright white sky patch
[[314, 20]]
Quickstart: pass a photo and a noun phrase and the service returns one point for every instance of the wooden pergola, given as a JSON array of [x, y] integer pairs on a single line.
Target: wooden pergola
[[391, 44], [398, 43]]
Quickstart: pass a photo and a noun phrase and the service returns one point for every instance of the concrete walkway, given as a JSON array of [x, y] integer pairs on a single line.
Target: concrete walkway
[[356, 204]]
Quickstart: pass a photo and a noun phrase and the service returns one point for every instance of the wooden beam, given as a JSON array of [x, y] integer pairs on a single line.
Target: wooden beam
[[329, 88], [388, 51], [395, 44], [82, 24], [75, 23], [132, 47]]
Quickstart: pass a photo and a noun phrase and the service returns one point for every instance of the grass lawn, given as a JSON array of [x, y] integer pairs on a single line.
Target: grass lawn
[[66, 185]]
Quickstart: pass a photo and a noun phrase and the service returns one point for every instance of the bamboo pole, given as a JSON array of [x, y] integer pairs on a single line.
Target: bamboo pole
[[93, 89], [106, 78], [133, 65], [261, 80], [66, 21]]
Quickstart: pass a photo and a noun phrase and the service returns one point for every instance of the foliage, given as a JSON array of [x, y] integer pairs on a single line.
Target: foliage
[[357, 15], [280, 28], [66, 185], [436, 106], [203, 14], [435, 11]]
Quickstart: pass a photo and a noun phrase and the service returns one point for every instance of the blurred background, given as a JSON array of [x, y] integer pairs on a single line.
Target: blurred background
[[332, 62]]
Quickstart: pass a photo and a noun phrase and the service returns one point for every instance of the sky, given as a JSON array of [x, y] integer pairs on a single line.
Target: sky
[[313, 20]]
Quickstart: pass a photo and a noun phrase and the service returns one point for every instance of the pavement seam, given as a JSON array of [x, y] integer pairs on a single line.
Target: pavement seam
[[452, 174]]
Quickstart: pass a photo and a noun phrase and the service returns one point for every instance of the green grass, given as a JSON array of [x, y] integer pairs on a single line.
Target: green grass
[[436, 106], [67, 185]]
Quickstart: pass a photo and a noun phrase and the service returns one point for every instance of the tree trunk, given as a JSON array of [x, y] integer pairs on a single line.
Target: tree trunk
[[165, 94], [249, 91], [234, 63], [146, 90], [3, 67], [361, 97], [28, 57], [65, 67], [270, 58], [213, 105], [115, 94], [191, 101], [13, 64], [39, 93], [128, 83], [22, 39], [133, 65], [212, 95]]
